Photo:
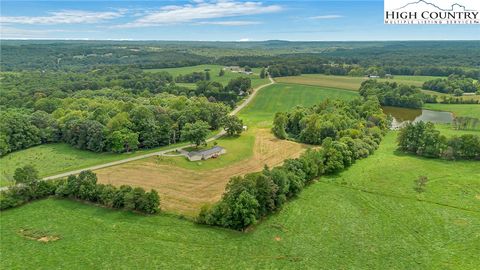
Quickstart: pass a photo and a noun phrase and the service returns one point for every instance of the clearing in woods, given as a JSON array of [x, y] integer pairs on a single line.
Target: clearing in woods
[[184, 190], [214, 70]]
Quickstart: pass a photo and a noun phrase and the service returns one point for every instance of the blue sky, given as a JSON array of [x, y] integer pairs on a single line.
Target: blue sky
[[225, 20]]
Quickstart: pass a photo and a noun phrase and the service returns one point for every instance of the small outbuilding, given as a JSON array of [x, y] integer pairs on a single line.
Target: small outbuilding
[[213, 152]]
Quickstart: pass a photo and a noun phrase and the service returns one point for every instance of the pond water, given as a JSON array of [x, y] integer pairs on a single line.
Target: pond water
[[403, 115]]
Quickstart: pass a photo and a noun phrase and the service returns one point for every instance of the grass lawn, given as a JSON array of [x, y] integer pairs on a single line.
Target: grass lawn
[[368, 217], [447, 130], [282, 97], [347, 82], [214, 70], [440, 95], [470, 110], [52, 159], [238, 148]]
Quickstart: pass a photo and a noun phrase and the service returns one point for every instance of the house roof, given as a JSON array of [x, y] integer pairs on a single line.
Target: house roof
[[213, 150]]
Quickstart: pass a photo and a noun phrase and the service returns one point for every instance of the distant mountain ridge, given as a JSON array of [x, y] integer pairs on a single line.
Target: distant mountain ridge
[[435, 6]]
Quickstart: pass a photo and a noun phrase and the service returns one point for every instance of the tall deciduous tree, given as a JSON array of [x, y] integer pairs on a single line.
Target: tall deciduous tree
[[196, 132], [233, 125]]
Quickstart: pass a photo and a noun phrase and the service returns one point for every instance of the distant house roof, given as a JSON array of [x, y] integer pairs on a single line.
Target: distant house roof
[[213, 150]]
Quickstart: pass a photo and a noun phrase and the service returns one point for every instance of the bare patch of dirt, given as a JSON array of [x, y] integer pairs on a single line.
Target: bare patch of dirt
[[184, 191], [38, 235]]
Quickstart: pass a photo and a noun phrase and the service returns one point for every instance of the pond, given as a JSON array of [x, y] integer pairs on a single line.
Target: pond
[[403, 115]]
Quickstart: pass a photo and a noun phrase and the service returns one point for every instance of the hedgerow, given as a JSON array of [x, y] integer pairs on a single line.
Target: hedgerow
[[356, 134]]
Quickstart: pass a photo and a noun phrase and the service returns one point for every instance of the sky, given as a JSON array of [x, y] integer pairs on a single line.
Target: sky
[[212, 20]]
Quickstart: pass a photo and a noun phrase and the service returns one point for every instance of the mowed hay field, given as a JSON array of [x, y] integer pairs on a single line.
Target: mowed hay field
[[282, 97], [347, 82], [214, 71], [185, 190], [367, 217], [185, 186]]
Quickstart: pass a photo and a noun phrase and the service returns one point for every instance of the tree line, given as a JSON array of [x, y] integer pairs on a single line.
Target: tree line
[[83, 187], [99, 123], [249, 198], [423, 139], [454, 84], [117, 110], [393, 94]]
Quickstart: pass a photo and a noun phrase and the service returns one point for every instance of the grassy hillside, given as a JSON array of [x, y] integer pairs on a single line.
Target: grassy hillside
[[282, 97], [214, 70], [347, 82], [51, 159], [362, 218], [470, 110]]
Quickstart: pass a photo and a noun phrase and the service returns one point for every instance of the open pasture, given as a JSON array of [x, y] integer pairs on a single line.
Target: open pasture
[[52, 159], [367, 216], [469, 110], [214, 71], [348, 82], [282, 97]]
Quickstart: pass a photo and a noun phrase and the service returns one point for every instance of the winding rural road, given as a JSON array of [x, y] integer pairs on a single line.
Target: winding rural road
[[163, 152]]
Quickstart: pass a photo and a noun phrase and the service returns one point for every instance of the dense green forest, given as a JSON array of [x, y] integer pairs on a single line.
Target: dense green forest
[[96, 95], [107, 109], [436, 58]]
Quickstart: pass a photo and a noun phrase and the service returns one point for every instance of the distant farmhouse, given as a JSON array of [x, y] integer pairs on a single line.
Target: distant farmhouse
[[213, 152]]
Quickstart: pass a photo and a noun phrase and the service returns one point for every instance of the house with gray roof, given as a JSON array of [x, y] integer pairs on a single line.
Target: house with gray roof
[[206, 154]]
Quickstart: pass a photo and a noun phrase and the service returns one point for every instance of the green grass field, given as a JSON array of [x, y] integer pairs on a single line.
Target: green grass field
[[238, 149], [51, 159], [347, 82], [282, 97], [367, 217], [470, 110], [259, 114], [214, 70]]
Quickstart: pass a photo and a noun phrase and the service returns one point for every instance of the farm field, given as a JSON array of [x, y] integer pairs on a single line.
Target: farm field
[[347, 82], [470, 110], [440, 95], [183, 188], [214, 70], [52, 159], [282, 97], [179, 181], [360, 218]]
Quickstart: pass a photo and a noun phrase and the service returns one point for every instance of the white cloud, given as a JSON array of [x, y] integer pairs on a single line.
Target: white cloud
[[64, 17], [230, 23], [12, 32], [201, 10], [326, 17], [244, 39]]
